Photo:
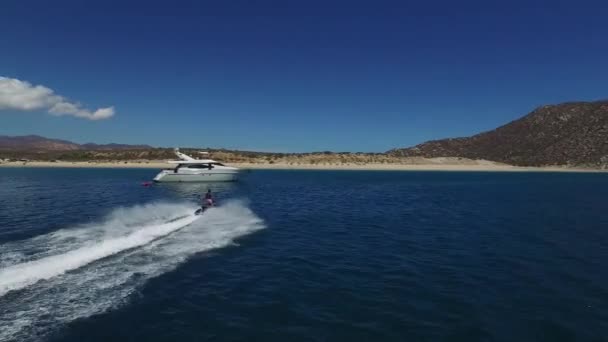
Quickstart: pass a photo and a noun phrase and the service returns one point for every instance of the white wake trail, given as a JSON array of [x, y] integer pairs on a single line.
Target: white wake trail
[[119, 223], [69, 274], [28, 273]]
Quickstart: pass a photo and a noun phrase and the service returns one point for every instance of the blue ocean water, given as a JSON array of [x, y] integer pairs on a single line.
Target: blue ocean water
[[92, 255]]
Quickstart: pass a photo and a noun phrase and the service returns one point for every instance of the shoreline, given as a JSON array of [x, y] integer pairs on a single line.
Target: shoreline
[[471, 167]]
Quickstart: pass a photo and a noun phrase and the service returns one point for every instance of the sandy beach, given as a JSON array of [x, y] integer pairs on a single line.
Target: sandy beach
[[432, 164]]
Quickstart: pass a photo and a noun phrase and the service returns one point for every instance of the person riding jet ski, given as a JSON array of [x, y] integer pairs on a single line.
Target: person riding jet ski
[[207, 202]]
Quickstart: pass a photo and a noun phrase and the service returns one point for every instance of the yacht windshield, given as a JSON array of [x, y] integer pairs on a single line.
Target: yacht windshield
[[199, 166]]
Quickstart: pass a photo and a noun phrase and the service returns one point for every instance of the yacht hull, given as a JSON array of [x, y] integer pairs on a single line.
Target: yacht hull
[[199, 177]]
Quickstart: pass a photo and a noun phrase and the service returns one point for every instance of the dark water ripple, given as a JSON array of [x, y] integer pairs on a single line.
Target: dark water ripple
[[355, 256]]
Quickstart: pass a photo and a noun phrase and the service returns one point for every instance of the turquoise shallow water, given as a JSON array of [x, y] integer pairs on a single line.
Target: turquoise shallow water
[[91, 255]]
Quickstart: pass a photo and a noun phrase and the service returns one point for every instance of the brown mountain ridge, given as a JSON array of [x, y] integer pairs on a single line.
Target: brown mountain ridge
[[571, 134]]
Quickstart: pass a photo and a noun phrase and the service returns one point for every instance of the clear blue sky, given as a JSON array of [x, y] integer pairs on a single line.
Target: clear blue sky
[[299, 75]]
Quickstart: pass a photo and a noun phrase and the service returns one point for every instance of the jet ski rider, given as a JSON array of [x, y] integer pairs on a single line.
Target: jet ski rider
[[208, 200]]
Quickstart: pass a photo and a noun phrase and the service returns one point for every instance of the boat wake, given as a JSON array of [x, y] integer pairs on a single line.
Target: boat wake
[[73, 273]]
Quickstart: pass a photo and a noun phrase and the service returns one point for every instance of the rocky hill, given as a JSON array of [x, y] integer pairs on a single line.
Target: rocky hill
[[574, 134], [42, 144]]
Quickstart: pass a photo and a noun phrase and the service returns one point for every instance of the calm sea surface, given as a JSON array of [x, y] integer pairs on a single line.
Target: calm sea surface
[[92, 255]]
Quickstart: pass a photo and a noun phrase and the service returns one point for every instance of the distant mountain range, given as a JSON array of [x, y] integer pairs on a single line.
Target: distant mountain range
[[570, 134], [42, 144], [565, 134]]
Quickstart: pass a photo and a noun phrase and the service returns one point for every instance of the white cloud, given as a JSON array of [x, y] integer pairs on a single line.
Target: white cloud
[[22, 95]]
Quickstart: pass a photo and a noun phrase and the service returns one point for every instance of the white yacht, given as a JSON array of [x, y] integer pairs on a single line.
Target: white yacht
[[188, 169]]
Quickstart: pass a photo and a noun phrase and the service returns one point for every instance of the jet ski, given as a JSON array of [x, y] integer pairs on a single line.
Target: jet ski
[[201, 210]]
